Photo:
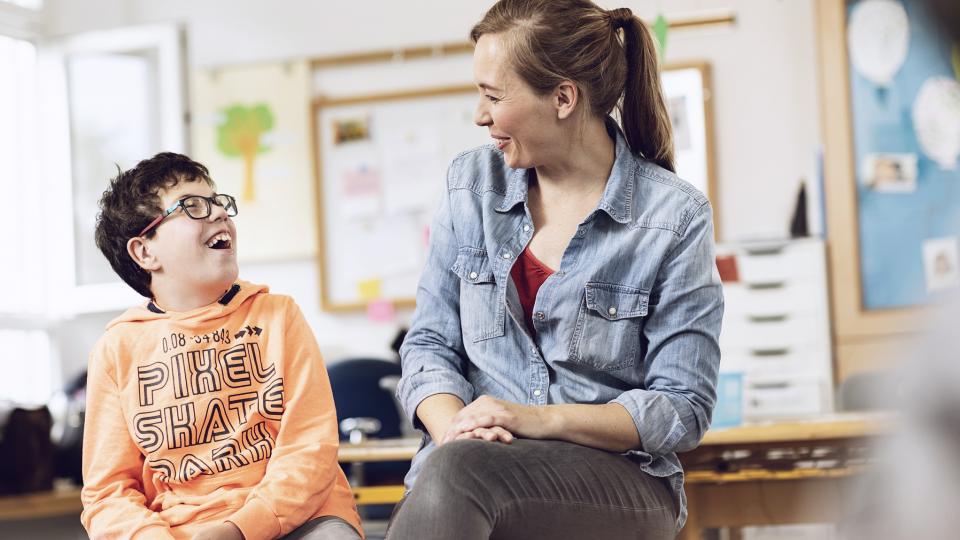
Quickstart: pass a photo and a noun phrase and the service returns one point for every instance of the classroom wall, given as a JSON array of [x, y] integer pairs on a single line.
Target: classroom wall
[[765, 106]]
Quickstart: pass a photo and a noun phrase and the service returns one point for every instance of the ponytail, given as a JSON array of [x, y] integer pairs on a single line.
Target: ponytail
[[643, 112]]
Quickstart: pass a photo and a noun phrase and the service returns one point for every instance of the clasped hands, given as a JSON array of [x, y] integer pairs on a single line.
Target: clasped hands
[[493, 419]]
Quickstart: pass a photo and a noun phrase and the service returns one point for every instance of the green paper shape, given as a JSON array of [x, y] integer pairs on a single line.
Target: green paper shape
[[239, 135], [956, 61], [660, 29]]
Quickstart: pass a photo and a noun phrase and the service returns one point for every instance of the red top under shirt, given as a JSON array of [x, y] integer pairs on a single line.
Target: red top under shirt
[[528, 275]]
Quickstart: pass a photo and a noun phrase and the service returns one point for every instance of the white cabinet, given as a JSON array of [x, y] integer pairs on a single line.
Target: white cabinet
[[776, 327]]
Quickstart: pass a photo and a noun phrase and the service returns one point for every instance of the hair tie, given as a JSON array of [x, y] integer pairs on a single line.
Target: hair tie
[[620, 17]]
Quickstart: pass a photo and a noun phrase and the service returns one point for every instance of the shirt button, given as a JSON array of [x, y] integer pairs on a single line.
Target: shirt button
[[473, 275], [526, 228], [612, 311], [537, 393], [506, 255], [541, 316], [580, 231]]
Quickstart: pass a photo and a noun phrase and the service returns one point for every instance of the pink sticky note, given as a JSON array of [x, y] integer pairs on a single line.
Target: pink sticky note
[[380, 311]]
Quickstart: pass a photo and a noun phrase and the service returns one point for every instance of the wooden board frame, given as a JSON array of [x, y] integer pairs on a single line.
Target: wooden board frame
[[706, 77], [856, 329]]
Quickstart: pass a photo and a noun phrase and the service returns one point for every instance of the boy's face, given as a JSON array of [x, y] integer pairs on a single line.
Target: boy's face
[[183, 246]]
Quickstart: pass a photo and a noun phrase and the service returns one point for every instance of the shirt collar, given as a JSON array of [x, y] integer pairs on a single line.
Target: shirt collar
[[617, 200], [224, 300], [516, 190]]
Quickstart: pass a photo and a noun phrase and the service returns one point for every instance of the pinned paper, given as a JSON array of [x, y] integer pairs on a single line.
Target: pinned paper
[[370, 289], [660, 29], [878, 39], [380, 311], [956, 61], [360, 191], [412, 163], [936, 119], [941, 263]]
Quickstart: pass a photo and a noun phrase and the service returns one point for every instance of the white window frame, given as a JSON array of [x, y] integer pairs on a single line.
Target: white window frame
[[20, 22], [25, 24], [67, 298]]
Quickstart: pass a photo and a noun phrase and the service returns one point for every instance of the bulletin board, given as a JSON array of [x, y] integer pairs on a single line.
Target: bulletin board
[[860, 109], [381, 170], [905, 109]]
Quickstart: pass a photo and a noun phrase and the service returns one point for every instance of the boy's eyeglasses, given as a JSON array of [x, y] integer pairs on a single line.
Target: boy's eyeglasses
[[197, 207]]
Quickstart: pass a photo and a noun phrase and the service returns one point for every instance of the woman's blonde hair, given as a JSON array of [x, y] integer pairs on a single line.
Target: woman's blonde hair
[[550, 41]]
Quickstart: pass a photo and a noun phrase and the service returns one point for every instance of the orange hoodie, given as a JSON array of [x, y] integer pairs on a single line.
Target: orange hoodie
[[220, 413]]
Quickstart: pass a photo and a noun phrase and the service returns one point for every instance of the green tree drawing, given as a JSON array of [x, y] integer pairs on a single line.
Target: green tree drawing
[[240, 134]]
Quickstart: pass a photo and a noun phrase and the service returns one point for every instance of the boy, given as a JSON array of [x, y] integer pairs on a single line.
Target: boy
[[209, 412]]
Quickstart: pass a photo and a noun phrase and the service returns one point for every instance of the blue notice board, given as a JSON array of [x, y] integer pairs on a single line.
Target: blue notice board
[[908, 196]]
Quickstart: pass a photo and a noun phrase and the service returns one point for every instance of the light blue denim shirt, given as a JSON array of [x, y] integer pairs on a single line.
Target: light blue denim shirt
[[632, 316]]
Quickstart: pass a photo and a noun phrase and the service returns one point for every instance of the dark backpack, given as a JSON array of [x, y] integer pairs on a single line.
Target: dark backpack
[[26, 451]]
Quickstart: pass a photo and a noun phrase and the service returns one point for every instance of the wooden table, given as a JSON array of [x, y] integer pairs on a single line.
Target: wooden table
[[64, 499], [378, 450], [779, 472], [759, 474]]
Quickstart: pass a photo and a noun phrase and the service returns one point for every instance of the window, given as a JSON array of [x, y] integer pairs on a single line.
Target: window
[[27, 358], [29, 4], [52, 176], [20, 216]]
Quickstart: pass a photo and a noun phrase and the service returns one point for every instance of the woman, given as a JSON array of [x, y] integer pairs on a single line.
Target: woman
[[564, 345]]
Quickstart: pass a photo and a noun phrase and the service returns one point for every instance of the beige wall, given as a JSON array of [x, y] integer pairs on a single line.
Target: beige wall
[[764, 76]]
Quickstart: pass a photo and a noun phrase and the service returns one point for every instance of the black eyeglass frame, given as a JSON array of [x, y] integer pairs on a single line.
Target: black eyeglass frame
[[227, 202]]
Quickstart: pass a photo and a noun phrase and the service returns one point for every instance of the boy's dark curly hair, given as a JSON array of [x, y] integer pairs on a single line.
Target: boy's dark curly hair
[[132, 201]]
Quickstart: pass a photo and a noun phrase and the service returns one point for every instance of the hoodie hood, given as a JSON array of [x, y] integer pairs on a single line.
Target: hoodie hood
[[236, 296]]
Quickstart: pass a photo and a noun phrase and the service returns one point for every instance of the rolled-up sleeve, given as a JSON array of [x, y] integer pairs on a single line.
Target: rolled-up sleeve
[[681, 334], [432, 355]]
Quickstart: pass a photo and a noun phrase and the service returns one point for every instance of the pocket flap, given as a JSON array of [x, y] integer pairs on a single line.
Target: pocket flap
[[473, 266], [614, 302]]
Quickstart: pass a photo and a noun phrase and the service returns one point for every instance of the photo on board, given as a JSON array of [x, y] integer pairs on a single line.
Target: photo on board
[[940, 263], [351, 129], [890, 173]]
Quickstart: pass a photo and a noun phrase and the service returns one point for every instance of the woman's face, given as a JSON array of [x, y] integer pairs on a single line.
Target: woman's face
[[523, 125]]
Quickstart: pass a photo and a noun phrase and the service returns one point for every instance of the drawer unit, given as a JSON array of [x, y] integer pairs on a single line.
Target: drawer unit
[[774, 299], [806, 360], [787, 330], [759, 263], [784, 397], [776, 328]]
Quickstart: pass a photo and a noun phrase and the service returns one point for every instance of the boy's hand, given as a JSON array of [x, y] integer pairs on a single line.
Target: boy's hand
[[220, 531]]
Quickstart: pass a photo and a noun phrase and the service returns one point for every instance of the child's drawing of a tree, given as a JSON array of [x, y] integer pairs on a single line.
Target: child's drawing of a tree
[[240, 134]]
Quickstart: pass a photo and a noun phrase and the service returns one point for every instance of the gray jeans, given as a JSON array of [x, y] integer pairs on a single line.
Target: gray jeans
[[324, 528], [533, 489]]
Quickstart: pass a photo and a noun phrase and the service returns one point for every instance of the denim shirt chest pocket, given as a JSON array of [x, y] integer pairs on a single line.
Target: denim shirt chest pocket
[[482, 311], [609, 325]]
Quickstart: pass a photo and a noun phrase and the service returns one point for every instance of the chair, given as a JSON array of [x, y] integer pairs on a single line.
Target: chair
[[362, 401]]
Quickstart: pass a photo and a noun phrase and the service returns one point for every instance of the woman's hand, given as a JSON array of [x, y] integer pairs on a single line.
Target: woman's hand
[[495, 419], [493, 434]]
